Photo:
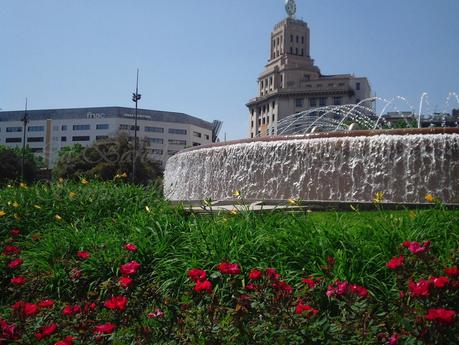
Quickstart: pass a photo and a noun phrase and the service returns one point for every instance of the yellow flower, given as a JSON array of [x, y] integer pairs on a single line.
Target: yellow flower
[[123, 175], [72, 195], [2, 213], [23, 185], [429, 198], [15, 204], [379, 197], [233, 212], [57, 217], [16, 216], [237, 193], [38, 207], [84, 181], [292, 202]]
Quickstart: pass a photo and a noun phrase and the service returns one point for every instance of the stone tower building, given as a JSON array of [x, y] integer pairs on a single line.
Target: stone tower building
[[291, 82]]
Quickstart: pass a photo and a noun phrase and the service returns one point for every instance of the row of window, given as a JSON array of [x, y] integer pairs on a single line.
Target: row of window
[[161, 130], [29, 140], [277, 41], [296, 52], [320, 101], [297, 39], [98, 137], [265, 108]]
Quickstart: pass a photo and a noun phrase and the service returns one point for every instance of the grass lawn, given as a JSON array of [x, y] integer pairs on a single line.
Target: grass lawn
[[57, 221]]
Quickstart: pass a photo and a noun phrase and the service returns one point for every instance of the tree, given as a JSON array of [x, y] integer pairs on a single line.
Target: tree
[[105, 160], [11, 162]]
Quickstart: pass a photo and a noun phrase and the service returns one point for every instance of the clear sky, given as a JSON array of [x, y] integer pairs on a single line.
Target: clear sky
[[202, 57]]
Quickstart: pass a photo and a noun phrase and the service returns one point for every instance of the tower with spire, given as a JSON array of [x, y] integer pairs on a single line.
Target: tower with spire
[[291, 82]]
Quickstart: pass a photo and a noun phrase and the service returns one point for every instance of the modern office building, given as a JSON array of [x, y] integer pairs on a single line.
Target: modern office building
[[48, 131], [291, 82]]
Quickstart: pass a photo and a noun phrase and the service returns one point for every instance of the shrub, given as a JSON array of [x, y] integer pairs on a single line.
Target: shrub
[[11, 161], [106, 160]]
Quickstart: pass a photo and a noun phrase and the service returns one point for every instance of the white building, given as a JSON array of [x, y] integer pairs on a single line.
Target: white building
[[50, 130]]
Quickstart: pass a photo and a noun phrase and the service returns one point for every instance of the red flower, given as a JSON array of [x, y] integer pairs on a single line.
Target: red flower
[[439, 282], [393, 340], [68, 310], [451, 271], [203, 286], [48, 330], [358, 290], [18, 280], [117, 302], [129, 268], [272, 274], [125, 282], [11, 250], [310, 282], [106, 328], [196, 274], [30, 309], [419, 289], [8, 331], [441, 315], [18, 306], [395, 262], [283, 287], [227, 268], [301, 308], [416, 248], [331, 260], [15, 232], [156, 314], [47, 303], [15, 263], [131, 247], [255, 274], [89, 307], [66, 341], [84, 255], [251, 287], [340, 288]]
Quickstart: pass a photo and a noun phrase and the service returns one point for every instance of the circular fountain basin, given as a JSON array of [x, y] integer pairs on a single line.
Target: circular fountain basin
[[404, 164]]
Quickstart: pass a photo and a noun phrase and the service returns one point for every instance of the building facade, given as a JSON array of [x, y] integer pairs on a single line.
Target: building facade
[[48, 131], [291, 82]]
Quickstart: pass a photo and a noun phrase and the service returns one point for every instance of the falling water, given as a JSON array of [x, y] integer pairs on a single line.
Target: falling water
[[404, 167]]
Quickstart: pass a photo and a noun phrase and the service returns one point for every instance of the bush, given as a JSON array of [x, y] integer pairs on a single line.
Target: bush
[[11, 161], [106, 160]]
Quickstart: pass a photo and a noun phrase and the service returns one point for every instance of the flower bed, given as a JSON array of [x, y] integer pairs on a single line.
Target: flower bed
[[115, 284]]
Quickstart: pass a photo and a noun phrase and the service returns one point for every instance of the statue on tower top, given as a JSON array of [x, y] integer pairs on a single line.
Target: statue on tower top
[[290, 7]]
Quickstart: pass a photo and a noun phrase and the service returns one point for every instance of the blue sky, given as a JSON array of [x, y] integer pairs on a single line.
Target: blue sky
[[202, 57]]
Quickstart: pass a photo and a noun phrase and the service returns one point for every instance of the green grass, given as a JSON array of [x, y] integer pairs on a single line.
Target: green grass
[[102, 217]]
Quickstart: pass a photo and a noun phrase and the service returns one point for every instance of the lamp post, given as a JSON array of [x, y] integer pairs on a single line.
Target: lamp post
[[24, 120], [135, 98]]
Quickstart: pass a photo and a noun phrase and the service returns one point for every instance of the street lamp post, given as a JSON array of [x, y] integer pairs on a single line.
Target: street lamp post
[[135, 98], [25, 120]]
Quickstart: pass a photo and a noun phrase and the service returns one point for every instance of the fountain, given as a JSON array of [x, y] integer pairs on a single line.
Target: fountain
[[318, 156]]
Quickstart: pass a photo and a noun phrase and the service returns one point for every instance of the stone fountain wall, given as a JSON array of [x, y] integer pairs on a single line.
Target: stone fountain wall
[[404, 167]]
